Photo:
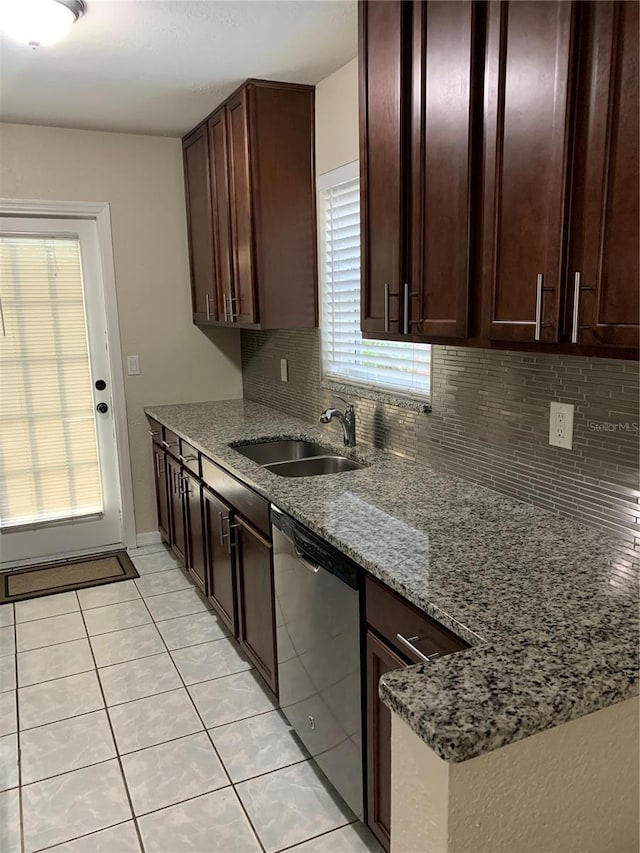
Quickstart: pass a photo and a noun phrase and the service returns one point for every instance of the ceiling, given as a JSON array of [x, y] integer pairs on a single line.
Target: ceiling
[[159, 66]]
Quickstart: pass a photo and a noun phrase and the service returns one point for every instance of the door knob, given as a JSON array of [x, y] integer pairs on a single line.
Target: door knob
[[102, 408]]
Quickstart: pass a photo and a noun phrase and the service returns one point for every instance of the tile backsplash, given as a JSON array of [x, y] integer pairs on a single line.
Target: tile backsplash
[[490, 421]]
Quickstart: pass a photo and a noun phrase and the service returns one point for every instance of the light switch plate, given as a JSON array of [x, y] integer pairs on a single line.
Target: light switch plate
[[133, 365], [284, 370], [561, 425]]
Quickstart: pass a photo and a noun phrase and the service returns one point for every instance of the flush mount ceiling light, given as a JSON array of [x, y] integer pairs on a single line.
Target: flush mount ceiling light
[[39, 22]]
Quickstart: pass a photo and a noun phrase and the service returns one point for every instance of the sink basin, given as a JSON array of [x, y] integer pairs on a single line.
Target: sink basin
[[281, 450], [314, 466]]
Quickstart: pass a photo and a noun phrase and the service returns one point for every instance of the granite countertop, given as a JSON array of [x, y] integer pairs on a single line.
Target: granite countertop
[[550, 607]]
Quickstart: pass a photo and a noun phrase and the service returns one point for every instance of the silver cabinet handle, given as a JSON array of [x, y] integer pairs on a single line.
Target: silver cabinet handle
[[539, 286], [406, 308], [153, 432], [221, 519], [576, 308], [175, 482], [185, 459], [386, 306], [184, 487], [208, 300], [232, 312], [416, 652], [224, 305], [168, 444], [158, 471]]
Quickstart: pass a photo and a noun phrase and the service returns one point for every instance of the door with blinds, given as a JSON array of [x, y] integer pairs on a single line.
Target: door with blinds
[[59, 484]]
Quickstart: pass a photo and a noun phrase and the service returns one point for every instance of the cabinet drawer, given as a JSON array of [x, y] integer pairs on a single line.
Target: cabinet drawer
[[243, 499], [390, 616], [171, 442], [190, 457]]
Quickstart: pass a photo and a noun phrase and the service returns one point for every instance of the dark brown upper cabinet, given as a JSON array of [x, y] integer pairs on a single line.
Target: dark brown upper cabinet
[[199, 226], [603, 272], [530, 50], [419, 75], [384, 57], [499, 174], [251, 202]]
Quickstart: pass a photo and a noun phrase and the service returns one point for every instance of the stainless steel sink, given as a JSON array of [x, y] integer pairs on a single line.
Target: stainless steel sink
[[314, 466], [281, 450]]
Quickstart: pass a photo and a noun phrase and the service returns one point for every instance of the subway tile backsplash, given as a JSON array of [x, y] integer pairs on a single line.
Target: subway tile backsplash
[[490, 422]]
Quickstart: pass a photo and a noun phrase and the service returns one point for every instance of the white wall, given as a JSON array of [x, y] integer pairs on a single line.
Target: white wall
[[337, 118], [141, 178], [570, 789]]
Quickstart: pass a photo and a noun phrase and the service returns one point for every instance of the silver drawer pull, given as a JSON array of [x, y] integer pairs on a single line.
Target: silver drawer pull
[[168, 444], [409, 645], [386, 307], [153, 432], [185, 459], [539, 288]]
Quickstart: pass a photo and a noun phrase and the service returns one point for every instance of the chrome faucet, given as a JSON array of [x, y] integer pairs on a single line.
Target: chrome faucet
[[346, 418]]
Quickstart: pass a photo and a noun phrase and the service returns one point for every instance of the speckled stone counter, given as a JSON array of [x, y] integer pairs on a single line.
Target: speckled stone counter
[[550, 607]]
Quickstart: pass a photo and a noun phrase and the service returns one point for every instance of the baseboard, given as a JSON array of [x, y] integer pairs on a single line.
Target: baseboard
[[151, 538]]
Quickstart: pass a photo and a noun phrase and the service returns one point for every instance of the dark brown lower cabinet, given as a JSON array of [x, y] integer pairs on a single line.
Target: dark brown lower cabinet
[[162, 493], [256, 609], [381, 658], [176, 510], [221, 589], [196, 564]]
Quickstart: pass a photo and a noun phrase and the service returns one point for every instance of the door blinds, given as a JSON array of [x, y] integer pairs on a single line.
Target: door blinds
[[398, 366], [49, 467]]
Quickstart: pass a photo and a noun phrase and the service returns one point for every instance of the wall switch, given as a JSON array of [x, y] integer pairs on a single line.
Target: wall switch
[[284, 370], [133, 365], [561, 425]]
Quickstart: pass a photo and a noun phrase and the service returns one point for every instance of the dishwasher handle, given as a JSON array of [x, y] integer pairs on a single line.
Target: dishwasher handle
[[306, 563]]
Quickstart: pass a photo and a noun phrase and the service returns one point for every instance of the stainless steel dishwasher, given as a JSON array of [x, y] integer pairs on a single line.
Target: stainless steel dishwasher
[[318, 593]]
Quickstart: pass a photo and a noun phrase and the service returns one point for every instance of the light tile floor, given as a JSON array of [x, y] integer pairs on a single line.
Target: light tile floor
[[131, 721]]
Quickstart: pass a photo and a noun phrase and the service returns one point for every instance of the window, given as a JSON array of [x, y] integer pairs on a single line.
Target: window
[[399, 367], [48, 448]]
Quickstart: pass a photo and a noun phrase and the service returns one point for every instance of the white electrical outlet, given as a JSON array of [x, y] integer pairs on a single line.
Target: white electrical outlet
[[561, 425], [284, 370], [133, 365]]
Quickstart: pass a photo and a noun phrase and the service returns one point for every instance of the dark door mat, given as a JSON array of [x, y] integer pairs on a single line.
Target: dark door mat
[[66, 575]]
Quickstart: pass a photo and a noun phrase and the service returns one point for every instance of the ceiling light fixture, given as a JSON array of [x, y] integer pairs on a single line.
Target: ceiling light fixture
[[39, 22]]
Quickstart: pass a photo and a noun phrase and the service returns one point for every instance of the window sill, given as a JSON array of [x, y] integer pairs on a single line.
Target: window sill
[[349, 389]]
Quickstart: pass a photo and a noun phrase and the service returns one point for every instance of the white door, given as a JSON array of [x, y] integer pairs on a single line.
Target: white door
[[60, 492]]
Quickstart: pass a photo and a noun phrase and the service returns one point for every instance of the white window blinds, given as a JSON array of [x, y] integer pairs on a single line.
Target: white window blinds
[[396, 366], [48, 449]]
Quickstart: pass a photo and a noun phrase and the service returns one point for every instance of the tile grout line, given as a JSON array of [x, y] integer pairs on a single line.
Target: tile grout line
[[213, 746], [86, 835], [115, 746], [18, 738]]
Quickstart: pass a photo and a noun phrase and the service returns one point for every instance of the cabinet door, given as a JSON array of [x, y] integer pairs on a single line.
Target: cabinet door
[[221, 212], [530, 54], [445, 87], [603, 304], [243, 300], [162, 495], [195, 539], [199, 227], [384, 49], [221, 587], [381, 658], [256, 610], [176, 510]]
